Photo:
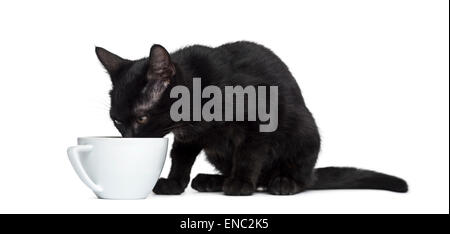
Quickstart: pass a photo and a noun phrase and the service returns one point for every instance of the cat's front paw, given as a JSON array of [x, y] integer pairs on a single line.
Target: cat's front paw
[[283, 186], [168, 187], [237, 187]]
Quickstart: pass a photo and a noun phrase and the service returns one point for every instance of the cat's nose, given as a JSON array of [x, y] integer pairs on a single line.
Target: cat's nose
[[128, 133]]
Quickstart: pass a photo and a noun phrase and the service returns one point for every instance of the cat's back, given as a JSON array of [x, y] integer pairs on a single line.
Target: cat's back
[[255, 60], [246, 49], [240, 56], [237, 63]]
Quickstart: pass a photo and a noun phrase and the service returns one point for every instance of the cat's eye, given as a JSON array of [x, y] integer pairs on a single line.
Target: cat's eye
[[142, 119], [117, 122]]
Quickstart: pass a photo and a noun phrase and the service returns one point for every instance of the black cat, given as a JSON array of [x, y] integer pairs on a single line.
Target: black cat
[[281, 162]]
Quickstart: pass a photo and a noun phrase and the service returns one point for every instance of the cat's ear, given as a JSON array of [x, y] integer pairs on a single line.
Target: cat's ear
[[160, 65], [110, 61]]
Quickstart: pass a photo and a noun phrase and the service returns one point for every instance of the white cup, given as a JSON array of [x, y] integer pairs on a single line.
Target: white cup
[[119, 168]]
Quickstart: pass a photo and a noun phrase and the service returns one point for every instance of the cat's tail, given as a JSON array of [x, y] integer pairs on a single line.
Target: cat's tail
[[354, 178]]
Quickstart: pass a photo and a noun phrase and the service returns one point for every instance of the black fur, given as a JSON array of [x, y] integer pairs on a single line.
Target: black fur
[[282, 162]]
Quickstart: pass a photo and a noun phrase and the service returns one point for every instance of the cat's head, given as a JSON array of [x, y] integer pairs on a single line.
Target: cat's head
[[139, 101]]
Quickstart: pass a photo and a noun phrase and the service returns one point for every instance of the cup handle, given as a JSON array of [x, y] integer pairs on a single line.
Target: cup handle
[[74, 157]]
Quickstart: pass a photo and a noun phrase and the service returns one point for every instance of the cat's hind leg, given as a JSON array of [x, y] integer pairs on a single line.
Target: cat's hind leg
[[208, 183], [294, 172]]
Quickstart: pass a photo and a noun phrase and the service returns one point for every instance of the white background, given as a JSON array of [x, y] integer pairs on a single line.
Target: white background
[[374, 73]]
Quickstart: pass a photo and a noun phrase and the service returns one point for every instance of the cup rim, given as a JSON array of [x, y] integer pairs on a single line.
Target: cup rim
[[121, 138]]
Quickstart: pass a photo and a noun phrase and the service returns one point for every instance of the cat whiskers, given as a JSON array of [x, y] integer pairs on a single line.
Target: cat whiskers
[[168, 129]]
